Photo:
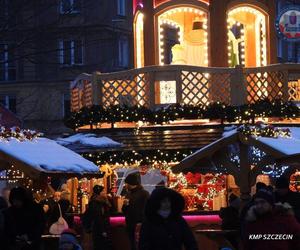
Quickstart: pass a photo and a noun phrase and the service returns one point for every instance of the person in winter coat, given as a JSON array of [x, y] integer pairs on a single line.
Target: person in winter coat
[[24, 222], [231, 220], [284, 194], [66, 207], [272, 223], [96, 219], [133, 206], [164, 227]]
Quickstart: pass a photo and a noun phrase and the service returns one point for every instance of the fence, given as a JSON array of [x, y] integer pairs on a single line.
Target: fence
[[156, 85]]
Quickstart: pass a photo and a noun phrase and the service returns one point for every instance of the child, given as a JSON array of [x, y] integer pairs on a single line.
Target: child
[[68, 241]]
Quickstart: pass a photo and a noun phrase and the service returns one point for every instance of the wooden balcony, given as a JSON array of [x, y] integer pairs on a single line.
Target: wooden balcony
[[190, 85]]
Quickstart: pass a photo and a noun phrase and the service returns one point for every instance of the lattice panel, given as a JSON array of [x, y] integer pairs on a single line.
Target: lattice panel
[[81, 96], [201, 87], [75, 100], [294, 90], [264, 85], [130, 91], [87, 100]]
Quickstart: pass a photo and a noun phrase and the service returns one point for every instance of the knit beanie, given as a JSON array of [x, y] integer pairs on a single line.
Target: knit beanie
[[132, 179], [266, 195]]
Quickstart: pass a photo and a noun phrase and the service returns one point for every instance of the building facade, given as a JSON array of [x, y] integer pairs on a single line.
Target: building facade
[[45, 44]]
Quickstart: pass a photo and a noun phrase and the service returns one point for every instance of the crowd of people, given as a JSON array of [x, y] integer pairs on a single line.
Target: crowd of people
[[266, 220], [153, 222]]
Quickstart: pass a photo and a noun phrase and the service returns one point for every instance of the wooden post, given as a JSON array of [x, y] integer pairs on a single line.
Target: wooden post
[[149, 36], [96, 89], [285, 83], [152, 90], [178, 86], [218, 33], [245, 169], [238, 91]]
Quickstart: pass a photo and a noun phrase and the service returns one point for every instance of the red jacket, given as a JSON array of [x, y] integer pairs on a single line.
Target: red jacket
[[272, 231]]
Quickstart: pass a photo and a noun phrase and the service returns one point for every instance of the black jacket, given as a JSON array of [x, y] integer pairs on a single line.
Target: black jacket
[[172, 233], [28, 220], [134, 212], [96, 217]]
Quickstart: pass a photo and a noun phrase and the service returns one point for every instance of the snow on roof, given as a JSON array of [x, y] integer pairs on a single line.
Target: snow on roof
[[288, 146], [46, 155], [89, 140]]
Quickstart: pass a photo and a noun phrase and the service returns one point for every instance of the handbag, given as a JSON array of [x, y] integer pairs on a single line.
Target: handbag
[[60, 225]]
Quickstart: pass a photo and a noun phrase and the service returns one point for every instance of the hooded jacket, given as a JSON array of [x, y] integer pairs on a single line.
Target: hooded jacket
[[170, 233], [280, 221]]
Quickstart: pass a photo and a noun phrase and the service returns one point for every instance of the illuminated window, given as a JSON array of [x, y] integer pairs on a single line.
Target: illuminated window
[[139, 40]]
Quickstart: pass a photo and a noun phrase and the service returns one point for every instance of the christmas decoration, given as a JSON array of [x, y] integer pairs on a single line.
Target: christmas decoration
[[262, 130], [245, 113], [295, 181], [19, 134]]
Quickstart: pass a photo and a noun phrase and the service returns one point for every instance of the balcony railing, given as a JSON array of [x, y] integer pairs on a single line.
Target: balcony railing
[[191, 85]]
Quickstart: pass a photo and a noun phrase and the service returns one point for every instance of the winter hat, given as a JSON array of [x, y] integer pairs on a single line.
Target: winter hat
[[266, 195], [97, 189], [132, 179], [68, 236], [282, 182]]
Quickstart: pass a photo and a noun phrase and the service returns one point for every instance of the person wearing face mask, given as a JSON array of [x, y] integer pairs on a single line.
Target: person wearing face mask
[[164, 228], [268, 219]]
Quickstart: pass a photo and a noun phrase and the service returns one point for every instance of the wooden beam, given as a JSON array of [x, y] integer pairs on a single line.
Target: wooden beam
[[251, 141], [205, 152]]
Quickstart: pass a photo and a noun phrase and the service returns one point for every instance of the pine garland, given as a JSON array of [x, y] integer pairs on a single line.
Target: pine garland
[[245, 113]]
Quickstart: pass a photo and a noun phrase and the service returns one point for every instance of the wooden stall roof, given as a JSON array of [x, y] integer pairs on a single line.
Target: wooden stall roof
[[282, 150], [163, 138], [44, 157]]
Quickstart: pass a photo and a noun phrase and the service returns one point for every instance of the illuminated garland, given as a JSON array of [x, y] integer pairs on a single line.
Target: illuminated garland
[[19, 134], [148, 157], [244, 113], [262, 130]]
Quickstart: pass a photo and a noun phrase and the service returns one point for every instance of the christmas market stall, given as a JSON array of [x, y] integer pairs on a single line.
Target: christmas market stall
[[249, 151], [39, 163]]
